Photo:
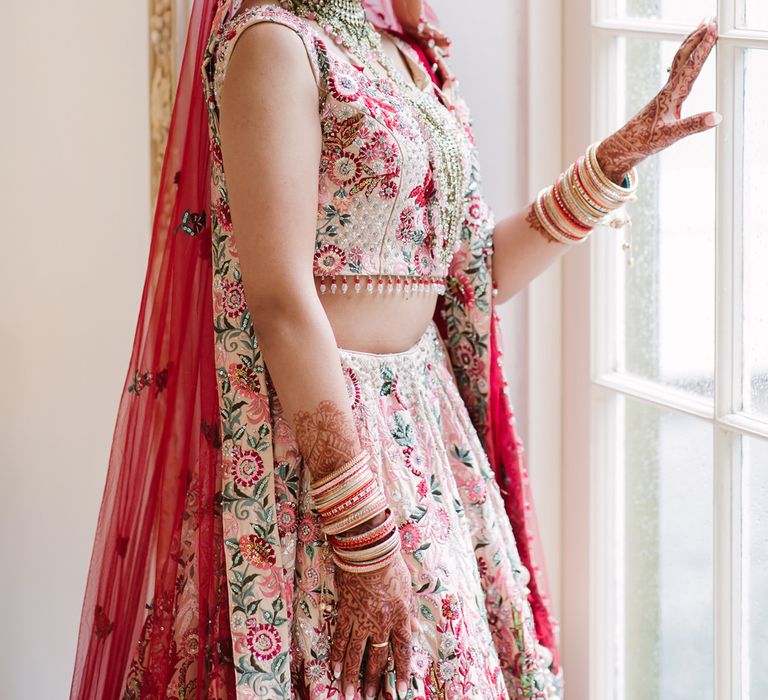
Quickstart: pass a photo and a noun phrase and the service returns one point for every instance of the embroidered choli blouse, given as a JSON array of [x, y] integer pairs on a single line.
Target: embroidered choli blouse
[[378, 219]]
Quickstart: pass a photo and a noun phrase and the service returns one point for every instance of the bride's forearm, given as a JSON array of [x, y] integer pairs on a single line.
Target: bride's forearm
[[522, 250], [308, 379]]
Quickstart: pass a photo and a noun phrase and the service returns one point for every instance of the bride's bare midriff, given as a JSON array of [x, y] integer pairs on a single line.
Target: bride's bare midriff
[[375, 322]]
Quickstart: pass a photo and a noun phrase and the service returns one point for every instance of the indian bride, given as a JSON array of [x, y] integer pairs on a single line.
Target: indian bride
[[315, 488]]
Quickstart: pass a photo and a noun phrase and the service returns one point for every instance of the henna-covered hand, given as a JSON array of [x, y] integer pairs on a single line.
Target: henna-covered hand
[[373, 608], [658, 125], [327, 437]]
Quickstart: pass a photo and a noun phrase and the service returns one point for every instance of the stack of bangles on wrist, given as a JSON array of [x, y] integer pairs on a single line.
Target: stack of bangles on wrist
[[583, 197], [349, 497]]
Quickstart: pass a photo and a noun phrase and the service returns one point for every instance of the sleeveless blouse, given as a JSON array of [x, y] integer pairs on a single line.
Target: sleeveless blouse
[[378, 217]]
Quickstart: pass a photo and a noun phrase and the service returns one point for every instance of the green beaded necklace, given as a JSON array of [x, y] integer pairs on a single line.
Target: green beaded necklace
[[346, 22]]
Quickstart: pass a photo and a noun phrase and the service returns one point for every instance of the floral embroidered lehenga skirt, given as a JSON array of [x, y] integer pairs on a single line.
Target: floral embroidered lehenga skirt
[[475, 633]]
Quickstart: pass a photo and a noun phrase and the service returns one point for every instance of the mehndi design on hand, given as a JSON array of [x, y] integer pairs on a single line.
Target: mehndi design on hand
[[326, 438], [373, 608], [659, 125]]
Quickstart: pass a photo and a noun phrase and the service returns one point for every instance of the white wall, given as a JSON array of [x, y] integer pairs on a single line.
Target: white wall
[[74, 192], [74, 183]]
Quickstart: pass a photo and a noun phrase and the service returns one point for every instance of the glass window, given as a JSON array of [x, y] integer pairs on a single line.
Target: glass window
[[678, 11], [755, 226], [668, 597], [669, 292], [754, 14], [755, 459]]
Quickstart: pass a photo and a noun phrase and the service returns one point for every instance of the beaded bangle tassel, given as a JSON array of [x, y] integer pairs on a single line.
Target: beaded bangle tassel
[[582, 197]]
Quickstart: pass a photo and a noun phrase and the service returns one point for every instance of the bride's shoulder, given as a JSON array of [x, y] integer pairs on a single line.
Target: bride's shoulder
[[282, 42]]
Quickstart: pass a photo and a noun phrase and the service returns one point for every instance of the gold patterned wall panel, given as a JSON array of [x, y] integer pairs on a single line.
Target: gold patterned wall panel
[[163, 43]]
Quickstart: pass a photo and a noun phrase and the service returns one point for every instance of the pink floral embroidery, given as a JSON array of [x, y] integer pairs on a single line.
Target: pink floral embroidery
[[441, 525], [422, 260], [309, 530], [410, 537], [477, 491]]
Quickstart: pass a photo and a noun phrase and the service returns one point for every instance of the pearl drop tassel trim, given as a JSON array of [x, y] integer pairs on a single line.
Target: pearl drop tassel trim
[[389, 284]]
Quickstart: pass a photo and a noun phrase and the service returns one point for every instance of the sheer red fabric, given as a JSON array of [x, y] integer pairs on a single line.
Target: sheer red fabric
[[164, 449], [158, 536]]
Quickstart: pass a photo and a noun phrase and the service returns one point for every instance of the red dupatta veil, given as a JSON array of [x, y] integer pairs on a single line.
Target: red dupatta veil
[[165, 456]]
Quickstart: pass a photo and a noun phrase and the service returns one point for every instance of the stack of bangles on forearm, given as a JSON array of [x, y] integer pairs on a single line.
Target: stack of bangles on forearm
[[349, 497], [582, 198]]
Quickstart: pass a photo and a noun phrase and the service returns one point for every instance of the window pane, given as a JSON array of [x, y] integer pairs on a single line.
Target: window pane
[[689, 12], [669, 295], [755, 233], [668, 555], [755, 14], [756, 557]]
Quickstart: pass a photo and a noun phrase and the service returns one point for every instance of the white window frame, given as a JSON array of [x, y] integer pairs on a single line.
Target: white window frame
[[592, 425]]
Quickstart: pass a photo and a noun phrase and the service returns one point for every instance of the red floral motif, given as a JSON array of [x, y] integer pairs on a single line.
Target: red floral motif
[[317, 670], [286, 517], [257, 551], [190, 645], [353, 387], [410, 537], [422, 489], [465, 353], [218, 159], [244, 380], [343, 168], [389, 188], [247, 466], [263, 640], [344, 87], [424, 192], [461, 287], [411, 462], [234, 298], [450, 607], [309, 530], [379, 146], [329, 260], [224, 215]]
